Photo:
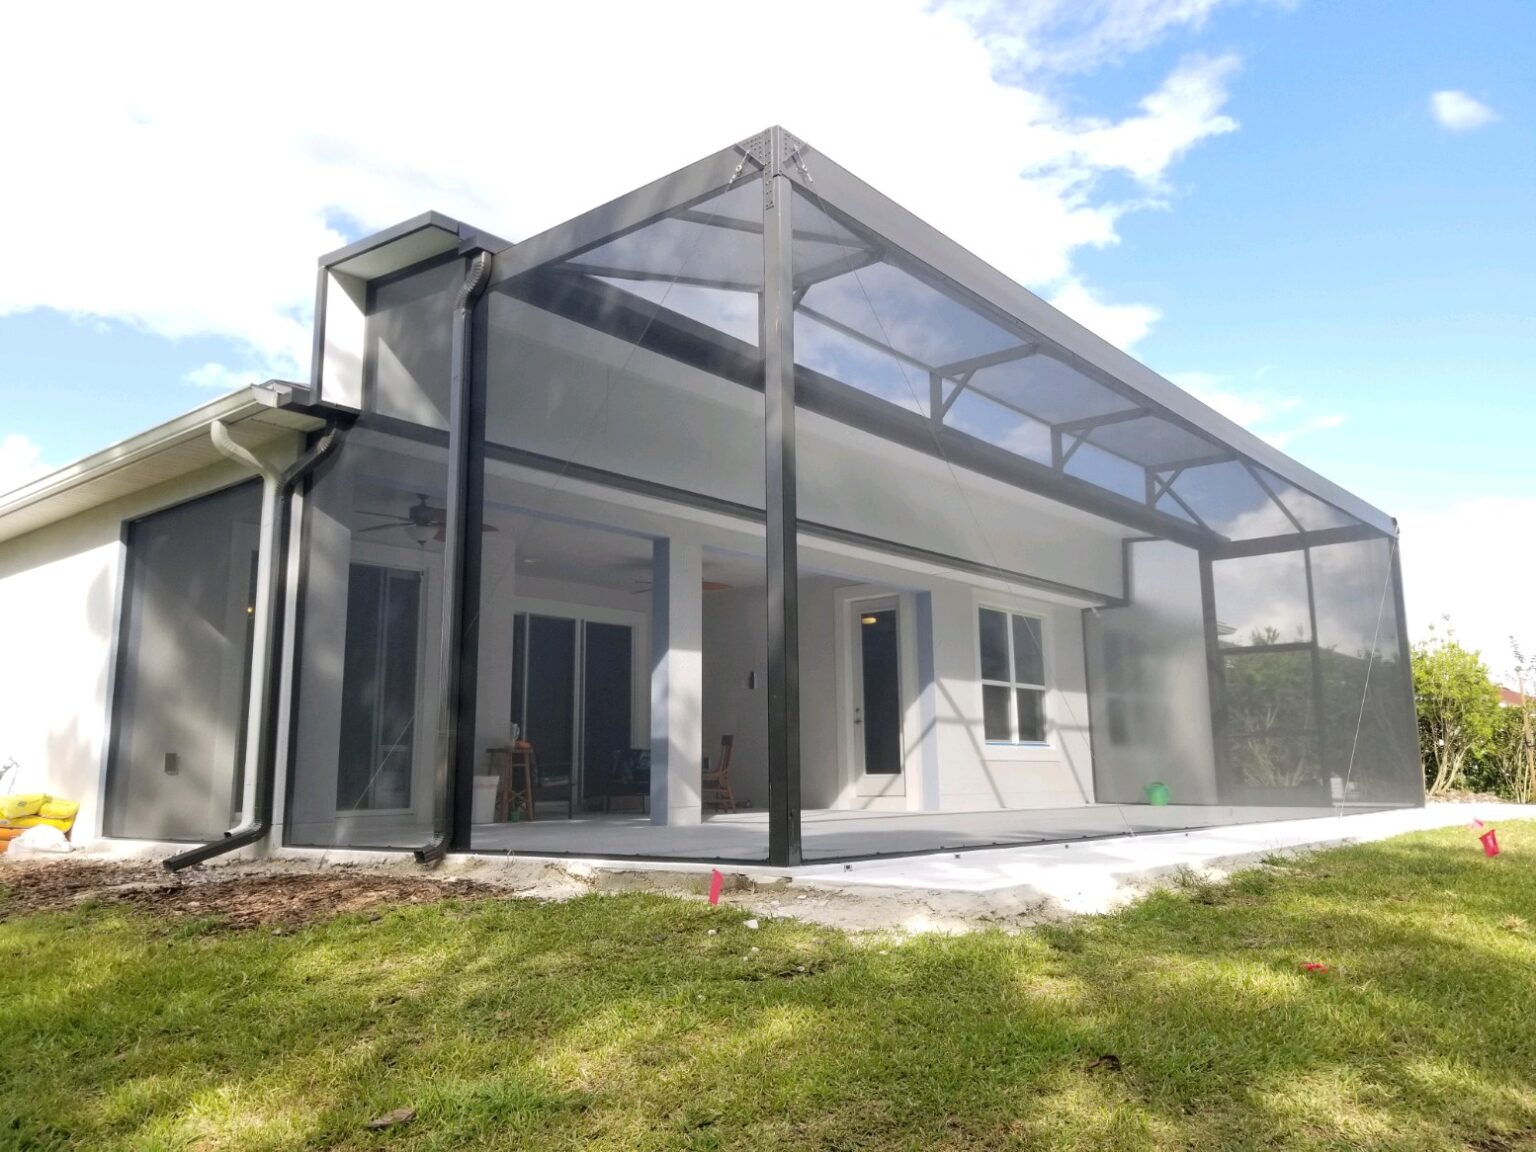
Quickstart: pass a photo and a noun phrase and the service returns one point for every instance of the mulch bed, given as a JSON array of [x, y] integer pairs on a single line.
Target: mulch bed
[[247, 899]]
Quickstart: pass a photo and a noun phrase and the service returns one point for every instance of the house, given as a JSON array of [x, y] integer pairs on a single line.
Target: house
[[745, 517]]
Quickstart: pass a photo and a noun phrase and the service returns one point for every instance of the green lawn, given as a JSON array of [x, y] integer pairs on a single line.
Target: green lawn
[[618, 1022]]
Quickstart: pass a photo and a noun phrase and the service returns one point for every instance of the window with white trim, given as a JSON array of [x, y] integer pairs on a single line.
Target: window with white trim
[[1012, 677]]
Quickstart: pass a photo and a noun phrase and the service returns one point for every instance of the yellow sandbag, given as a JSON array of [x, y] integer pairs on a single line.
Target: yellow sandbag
[[22, 823], [27, 805], [58, 808]]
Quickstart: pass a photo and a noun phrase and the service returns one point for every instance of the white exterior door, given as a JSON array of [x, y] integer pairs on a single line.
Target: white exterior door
[[875, 697]]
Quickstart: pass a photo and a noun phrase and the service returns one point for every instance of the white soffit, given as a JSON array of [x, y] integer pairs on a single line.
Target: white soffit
[[412, 248]]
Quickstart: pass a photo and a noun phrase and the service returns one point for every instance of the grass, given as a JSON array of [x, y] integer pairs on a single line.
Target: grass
[[619, 1022]]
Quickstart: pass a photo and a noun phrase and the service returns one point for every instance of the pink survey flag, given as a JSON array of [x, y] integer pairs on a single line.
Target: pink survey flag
[[715, 880]]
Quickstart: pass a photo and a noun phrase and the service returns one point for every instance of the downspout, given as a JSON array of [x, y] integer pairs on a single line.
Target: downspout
[[267, 620], [460, 404]]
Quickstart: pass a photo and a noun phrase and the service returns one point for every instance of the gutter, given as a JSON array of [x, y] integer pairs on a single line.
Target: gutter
[[266, 669], [274, 395], [476, 278]]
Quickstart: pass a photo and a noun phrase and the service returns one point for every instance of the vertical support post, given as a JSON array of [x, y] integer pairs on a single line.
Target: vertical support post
[[935, 397], [471, 555], [454, 765], [1217, 676], [927, 701], [1319, 711], [1405, 656], [778, 343]]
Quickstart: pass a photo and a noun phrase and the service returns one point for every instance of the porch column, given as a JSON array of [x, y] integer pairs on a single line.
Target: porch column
[[677, 681], [493, 685]]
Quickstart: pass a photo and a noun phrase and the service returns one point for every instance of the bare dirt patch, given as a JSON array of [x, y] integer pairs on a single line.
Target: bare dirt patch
[[243, 899]]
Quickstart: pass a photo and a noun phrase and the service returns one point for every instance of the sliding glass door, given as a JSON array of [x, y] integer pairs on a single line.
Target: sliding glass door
[[572, 698], [607, 680]]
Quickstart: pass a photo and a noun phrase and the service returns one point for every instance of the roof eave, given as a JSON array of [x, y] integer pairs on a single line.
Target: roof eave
[[237, 406]]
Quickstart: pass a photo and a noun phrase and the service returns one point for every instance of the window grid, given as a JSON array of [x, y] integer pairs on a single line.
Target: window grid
[[1015, 684]]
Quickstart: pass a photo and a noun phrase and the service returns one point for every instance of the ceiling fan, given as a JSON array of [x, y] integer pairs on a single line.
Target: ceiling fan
[[709, 586], [423, 521]]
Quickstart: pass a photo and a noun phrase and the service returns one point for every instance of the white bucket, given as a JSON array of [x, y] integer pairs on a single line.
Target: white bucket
[[484, 809]]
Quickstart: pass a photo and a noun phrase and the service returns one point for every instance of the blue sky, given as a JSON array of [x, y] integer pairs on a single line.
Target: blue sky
[[1343, 250], [1255, 197]]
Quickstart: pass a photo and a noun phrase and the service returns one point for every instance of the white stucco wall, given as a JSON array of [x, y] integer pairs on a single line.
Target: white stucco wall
[[972, 774], [736, 649], [975, 775]]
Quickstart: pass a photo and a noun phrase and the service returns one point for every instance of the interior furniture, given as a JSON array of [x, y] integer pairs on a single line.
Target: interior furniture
[[716, 780], [556, 784], [515, 767], [629, 774]]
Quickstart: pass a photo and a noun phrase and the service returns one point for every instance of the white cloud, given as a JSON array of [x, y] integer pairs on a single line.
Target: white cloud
[[1324, 423], [1278, 418], [1121, 324], [209, 184], [1457, 112], [219, 378], [1184, 110], [1245, 408], [1473, 562], [20, 461], [1077, 35]]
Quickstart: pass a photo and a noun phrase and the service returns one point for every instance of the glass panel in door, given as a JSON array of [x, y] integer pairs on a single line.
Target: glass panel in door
[[877, 699], [607, 685], [379, 697], [546, 714]]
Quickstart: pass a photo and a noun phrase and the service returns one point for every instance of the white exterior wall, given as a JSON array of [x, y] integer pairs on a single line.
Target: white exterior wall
[[975, 775], [59, 605], [972, 775], [736, 649]]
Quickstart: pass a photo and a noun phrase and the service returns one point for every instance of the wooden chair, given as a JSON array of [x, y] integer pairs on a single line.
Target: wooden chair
[[716, 781]]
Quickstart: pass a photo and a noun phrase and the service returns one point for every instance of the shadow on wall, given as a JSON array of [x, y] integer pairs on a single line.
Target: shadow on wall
[[77, 745]]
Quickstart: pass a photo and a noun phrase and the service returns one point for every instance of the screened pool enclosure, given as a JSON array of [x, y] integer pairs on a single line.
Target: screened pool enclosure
[[747, 517]]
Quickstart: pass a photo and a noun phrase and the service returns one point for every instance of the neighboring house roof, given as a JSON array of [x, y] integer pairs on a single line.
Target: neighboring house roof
[[256, 415], [1509, 698]]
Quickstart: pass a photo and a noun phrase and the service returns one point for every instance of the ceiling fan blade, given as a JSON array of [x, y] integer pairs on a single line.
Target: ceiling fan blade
[[708, 586], [391, 526]]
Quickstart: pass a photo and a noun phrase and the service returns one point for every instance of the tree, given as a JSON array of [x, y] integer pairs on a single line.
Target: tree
[[1521, 742], [1458, 709]]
